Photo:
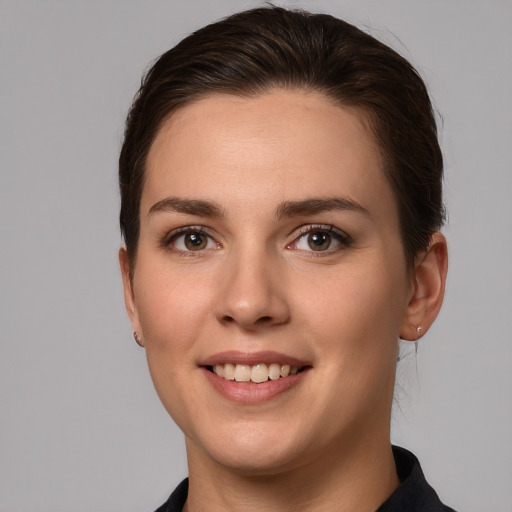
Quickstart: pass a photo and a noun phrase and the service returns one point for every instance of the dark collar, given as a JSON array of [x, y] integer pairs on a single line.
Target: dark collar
[[413, 495]]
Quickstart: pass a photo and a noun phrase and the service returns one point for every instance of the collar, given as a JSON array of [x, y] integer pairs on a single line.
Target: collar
[[413, 495]]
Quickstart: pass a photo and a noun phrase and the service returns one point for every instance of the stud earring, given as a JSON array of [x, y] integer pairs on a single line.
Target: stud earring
[[418, 330], [137, 337]]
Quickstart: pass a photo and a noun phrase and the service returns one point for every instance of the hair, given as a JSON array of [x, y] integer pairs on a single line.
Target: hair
[[256, 51]]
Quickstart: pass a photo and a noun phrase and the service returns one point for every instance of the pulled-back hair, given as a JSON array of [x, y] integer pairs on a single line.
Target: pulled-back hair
[[255, 51]]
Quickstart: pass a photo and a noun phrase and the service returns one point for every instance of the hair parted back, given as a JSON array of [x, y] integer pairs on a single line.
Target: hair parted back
[[258, 50]]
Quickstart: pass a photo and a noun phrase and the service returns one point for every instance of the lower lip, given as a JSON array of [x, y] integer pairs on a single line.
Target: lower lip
[[250, 392]]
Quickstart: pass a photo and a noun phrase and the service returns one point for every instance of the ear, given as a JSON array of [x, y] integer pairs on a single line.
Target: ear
[[129, 300], [427, 289]]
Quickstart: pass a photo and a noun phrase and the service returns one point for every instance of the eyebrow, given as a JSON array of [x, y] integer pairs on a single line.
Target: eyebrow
[[318, 205], [286, 209], [189, 206]]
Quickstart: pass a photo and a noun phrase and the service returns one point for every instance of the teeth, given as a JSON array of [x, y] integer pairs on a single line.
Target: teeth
[[229, 371], [242, 373], [258, 373], [274, 371]]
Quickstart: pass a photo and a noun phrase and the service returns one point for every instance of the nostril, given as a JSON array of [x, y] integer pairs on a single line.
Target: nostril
[[264, 320]]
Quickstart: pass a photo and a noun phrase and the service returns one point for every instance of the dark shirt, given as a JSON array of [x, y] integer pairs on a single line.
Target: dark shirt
[[413, 495]]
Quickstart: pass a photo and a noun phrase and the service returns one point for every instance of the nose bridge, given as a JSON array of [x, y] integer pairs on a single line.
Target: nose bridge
[[252, 294]]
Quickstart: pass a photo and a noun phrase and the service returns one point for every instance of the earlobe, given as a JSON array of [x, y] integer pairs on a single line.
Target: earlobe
[[129, 300], [428, 285]]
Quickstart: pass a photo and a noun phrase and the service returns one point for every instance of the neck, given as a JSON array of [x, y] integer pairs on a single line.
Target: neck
[[360, 478]]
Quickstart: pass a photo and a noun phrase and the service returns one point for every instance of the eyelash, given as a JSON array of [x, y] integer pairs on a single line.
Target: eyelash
[[170, 238], [336, 234]]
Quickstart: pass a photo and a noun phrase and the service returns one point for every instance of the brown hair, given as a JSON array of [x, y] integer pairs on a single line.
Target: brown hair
[[254, 51]]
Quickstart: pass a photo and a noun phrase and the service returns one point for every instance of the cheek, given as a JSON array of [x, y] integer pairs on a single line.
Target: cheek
[[173, 311], [170, 305], [358, 319]]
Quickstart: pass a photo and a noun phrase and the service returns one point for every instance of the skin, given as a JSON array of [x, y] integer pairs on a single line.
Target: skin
[[258, 285]]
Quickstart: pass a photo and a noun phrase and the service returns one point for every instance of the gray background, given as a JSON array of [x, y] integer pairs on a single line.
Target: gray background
[[81, 428]]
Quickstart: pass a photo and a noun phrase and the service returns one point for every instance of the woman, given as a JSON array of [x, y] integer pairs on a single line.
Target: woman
[[281, 201]]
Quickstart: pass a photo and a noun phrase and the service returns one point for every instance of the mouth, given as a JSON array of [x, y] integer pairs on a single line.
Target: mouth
[[252, 378], [258, 373]]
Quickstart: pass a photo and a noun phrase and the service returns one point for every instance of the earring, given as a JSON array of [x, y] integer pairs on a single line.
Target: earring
[[137, 337], [418, 330]]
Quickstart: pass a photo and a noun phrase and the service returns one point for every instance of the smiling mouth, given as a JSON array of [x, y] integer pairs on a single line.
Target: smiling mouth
[[258, 373]]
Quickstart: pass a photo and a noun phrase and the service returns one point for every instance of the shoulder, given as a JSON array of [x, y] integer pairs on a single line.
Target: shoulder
[[414, 493], [177, 499]]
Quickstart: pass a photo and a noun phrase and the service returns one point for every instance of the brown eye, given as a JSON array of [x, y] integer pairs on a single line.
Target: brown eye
[[195, 241], [190, 239], [319, 240]]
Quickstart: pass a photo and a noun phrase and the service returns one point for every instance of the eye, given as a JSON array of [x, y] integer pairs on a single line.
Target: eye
[[320, 239], [190, 239]]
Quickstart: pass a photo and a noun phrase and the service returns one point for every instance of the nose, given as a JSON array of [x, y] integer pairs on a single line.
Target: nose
[[252, 293]]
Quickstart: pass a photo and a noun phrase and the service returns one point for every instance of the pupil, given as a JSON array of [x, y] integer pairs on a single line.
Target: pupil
[[194, 241], [319, 241]]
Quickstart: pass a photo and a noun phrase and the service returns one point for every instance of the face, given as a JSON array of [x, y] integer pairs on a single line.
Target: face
[[270, 285]]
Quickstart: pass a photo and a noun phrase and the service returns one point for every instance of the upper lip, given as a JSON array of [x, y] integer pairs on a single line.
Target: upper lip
[[251, 358]]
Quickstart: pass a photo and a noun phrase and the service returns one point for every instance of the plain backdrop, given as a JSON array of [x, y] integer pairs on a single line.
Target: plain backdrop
[[81, 428]]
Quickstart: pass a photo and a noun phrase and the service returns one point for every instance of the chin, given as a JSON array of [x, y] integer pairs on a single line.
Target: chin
[[253, 463], [254, 450]]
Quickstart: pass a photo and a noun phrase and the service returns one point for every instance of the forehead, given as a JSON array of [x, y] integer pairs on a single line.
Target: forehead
[[285, 145]]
